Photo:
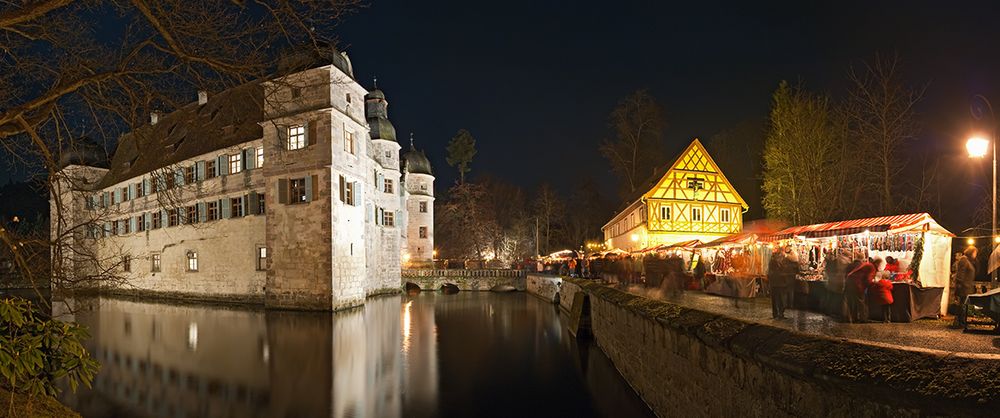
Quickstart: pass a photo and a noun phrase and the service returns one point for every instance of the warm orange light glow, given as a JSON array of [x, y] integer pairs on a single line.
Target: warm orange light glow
[[635, 237], [970, 241], [977, 146]]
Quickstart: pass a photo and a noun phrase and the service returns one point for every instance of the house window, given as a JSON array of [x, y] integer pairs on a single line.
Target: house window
[[296, 137], [192, 261], [297, 190], [157, 220], [213, 211], [388, 155], [296, 92], [189, 175], [261, 258], [346, 191], [423, 187], [260, 204], [349, 141], [192, 214], [140, 223], [235, 163], [126, 227], [388, 186], [139, 190], [724, 215], [665, 213], [210, 169], [168, 181], [387, 218], [126, 263], [695, 214], [423, 232], [172, 215], [155, 262], [348, 97], [125, 195], [259, 155], [423, 207], [236, 206]]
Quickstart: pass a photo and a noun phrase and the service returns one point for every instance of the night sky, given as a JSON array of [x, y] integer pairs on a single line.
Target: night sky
[[535, 81]]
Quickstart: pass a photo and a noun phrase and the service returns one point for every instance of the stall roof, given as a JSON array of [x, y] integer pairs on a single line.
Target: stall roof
[[891, 224], [735, 239]]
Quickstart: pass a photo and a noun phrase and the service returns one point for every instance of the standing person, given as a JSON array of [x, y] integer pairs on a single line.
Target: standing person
[[881, 294], [571, 267], [835, 273], [577, 268], [858, 282], [965, 278], [779, 279]]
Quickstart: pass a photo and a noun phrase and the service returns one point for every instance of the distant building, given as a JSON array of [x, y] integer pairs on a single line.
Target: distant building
[[287, 192], [419, 178], [686, 200]]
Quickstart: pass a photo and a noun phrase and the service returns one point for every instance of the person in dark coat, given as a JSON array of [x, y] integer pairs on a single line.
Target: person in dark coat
[[780, 274], [965, 280], [835, 274], [858, 282], [881, 295]]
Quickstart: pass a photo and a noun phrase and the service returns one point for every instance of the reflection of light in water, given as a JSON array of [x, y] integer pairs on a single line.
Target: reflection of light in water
[[267, 353], [192, 336], [406, 326]]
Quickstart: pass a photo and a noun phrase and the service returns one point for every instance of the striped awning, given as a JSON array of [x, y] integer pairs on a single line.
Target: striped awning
[[735, 239], [891, 224]]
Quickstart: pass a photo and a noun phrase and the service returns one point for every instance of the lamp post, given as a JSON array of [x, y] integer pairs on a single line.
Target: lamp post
[[978, 146]]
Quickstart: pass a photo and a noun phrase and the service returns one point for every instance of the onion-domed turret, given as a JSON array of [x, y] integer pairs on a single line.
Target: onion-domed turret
[[417, 162], [377, 113]]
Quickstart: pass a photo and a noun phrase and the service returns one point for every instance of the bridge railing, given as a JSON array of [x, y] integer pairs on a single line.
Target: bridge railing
[[423, 273]]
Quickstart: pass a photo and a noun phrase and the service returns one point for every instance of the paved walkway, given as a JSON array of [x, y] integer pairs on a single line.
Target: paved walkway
[[925, 333]]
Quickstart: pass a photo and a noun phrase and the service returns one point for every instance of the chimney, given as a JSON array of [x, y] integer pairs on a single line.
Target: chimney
[[154, 117], [202, 97]]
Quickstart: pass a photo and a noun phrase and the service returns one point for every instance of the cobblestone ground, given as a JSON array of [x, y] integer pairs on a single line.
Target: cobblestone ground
[[925, 333]]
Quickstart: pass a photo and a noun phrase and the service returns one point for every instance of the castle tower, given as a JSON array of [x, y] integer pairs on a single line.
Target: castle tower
[[384, 206], [420, 207]]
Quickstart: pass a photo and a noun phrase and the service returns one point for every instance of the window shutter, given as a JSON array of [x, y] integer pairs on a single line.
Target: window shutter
[[147, 218], [222, 165], [200, 170], [368, 212], [355, 194], [309, 188], [118, 195], [311, 133], [164, 218], [226, 208], [397, 220], [145, 187], [181, 215], [131, 192], [282, 191], [131, 224], [252, 203], [343, 189], [282, 137], [245, 159], [202, 212], [243, 205], [107, 229]]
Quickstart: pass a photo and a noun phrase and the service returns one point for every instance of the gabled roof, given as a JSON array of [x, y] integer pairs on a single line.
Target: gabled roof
[[229, 118], [696, 158]]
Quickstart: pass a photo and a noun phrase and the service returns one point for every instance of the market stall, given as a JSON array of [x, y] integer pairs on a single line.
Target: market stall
[[921, 246], [735, 265]]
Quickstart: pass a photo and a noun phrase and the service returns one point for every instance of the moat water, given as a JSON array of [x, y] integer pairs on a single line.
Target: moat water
[[472, 354]]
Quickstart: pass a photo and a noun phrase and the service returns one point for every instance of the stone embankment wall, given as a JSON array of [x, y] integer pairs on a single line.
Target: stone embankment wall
[[685, 362], [472, 280]]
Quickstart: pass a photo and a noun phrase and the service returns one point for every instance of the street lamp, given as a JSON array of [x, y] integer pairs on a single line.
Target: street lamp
[[978, 147]]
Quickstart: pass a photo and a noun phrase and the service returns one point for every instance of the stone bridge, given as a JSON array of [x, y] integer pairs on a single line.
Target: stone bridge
[[474, 280]]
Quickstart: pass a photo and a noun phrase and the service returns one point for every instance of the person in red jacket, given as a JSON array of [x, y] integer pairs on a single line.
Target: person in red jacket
[[881, 293], [858, 281]]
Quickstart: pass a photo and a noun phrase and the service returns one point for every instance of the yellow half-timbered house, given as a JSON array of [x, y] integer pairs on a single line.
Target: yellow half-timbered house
[[689, 199]]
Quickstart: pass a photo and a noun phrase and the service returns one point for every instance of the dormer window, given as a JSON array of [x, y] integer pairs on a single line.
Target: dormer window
[[296, 92], [348, 97]]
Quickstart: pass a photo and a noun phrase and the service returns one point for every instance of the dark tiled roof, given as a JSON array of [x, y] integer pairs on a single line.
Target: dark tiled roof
[[417, 162], [229, 118]]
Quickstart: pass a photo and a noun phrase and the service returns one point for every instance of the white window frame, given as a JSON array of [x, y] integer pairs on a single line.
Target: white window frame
[[235, 163], [349, 145], [296, 137], [259, 156], [155, 262], [192, 260], [696, 215], [261, 258]]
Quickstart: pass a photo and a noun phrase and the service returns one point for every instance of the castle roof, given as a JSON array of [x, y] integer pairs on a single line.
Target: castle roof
[[417, 162]]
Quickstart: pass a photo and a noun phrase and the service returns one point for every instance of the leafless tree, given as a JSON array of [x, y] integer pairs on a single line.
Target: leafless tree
[[549, 210], [71, 69], [638, 123]]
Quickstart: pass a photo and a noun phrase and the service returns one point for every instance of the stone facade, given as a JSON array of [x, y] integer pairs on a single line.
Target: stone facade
[[297, 202], [466, 280], [419, 178]]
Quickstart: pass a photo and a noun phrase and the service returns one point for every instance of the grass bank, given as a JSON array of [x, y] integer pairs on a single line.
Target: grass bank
[[22, 406]]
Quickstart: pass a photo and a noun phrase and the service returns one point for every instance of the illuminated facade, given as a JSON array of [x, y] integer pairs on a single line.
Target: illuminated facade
[[692, 199]]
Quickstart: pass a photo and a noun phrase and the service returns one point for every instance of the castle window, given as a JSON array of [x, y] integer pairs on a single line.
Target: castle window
[[388, 186], [423, 187], [387, 218], [126, 263], [169, 179], [192, 261], [346, 191], [189, 174], [172, 217], [192, 214], [235, 163], [696, 214], [259, 155], [210, 169], [140, 190], [349, 141], [140, 223], [665, 213], [423, 207], [157, 220], [154, 260], [724, 215], [296, 137], [348, 97], [236, 207], [296, 92], [260, 204], [423, 232], [213, 211], [297, 190], [261, 258]]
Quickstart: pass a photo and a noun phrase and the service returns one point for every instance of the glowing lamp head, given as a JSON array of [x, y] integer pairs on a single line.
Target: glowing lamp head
[[977, 146], [635, 237], [996, 239], [406, 257], [970, 241]]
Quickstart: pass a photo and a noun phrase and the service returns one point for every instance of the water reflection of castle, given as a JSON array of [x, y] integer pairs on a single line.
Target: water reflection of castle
[[185, 361]]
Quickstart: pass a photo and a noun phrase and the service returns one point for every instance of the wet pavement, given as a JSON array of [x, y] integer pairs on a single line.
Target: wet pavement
[[932, 334]]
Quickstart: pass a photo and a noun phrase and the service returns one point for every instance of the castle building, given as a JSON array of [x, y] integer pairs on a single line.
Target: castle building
[[419, 178], [690, 199], [286, 192]]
